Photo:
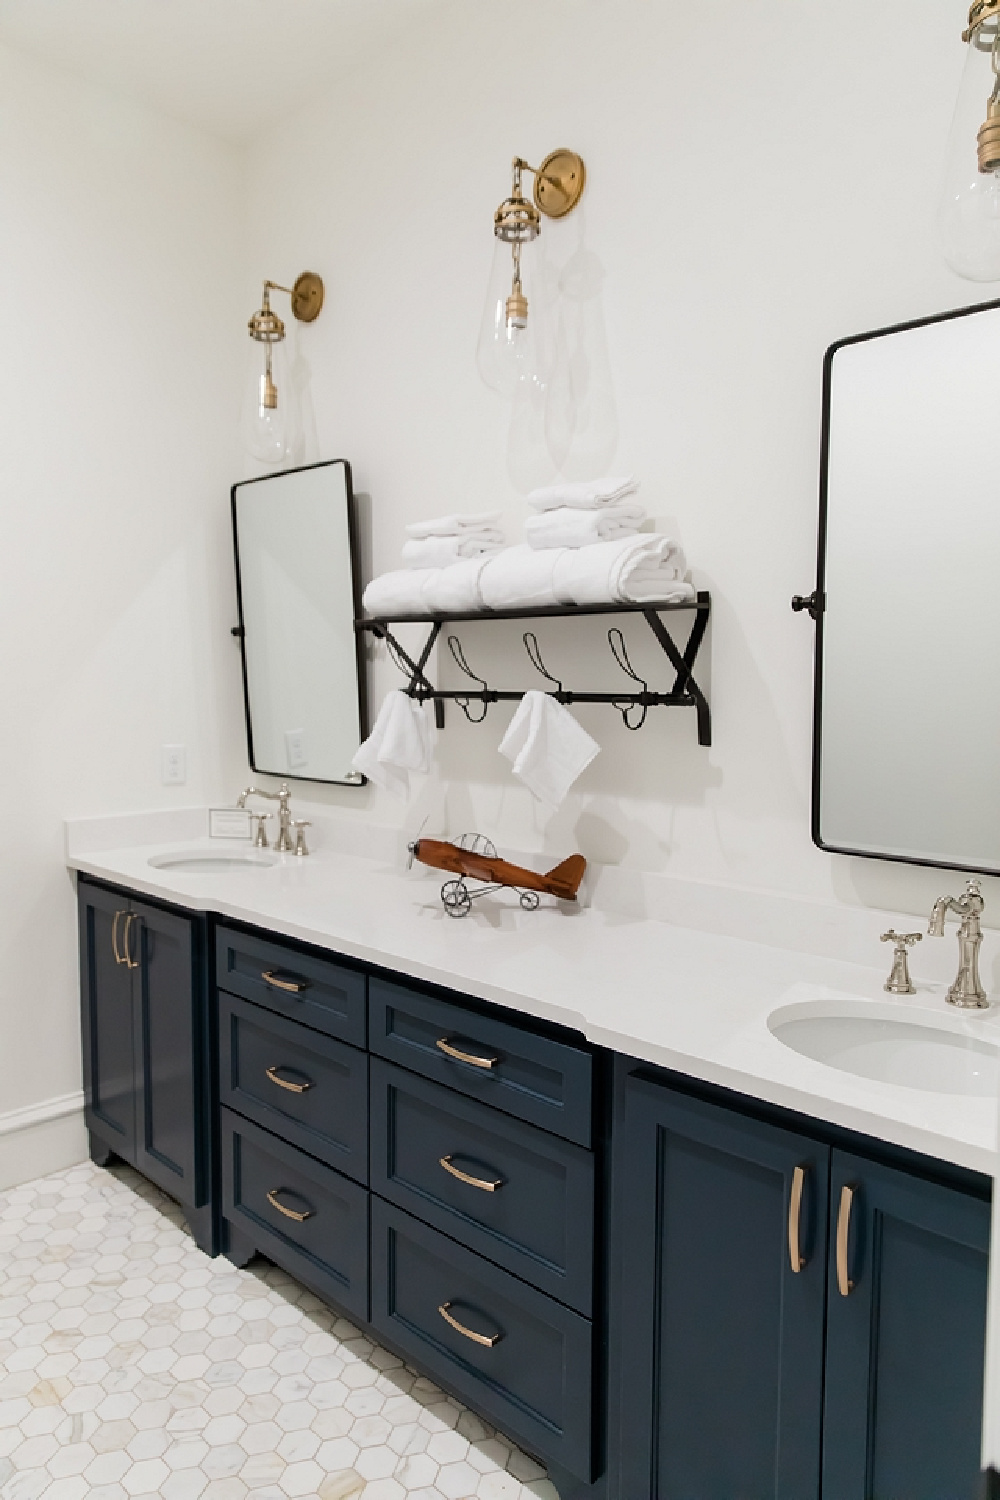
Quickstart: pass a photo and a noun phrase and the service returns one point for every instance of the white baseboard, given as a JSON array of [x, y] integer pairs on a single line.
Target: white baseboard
[[42, 1138]]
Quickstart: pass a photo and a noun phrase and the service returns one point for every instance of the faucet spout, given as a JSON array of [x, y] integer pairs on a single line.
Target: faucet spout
[[967, 992]]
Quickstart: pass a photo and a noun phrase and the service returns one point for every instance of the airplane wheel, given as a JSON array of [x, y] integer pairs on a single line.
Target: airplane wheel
[[456, 899], [529, 900]]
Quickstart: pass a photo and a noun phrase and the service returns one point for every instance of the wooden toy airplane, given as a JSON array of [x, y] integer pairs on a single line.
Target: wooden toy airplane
[[475, 858]]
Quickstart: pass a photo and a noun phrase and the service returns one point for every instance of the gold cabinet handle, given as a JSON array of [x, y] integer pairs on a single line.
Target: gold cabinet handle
[[796, 1259], [127, 960], [467, 1057], [844, 1282], [289, 1213], [286, 1083], [488, 1341], [488, 1185], [291, 986], [114, 938]]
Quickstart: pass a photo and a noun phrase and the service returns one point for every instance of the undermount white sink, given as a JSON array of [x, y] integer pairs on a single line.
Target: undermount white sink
[[878, 1042], [212, 861]]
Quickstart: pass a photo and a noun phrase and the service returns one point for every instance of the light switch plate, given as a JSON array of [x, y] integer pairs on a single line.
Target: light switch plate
[[173, 765]]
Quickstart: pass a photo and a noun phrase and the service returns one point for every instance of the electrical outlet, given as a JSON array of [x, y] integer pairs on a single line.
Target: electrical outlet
[[173, 765], [295, 748]]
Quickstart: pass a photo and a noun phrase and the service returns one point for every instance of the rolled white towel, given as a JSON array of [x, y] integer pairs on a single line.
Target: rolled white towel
[[441, 551], [592, 494], [520, 577], [457, 590], [453, 525], [643, 569], [401, 592], [567, 527]]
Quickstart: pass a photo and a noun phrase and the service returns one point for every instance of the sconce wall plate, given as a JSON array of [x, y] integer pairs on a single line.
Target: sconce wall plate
[[307, 293], [560, 180]]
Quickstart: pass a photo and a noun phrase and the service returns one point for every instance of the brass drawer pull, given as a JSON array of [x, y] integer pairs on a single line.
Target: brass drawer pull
[[127, 960], [467, 1057], [289, 1213], [795, 1256], [114, 938], [487, 1186], [844, 1282], [290, 986], [286, 1083], [488, 1341]]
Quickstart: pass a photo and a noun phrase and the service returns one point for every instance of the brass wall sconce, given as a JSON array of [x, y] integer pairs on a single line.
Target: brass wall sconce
[[969, 212], [269, 413], [510, 349]]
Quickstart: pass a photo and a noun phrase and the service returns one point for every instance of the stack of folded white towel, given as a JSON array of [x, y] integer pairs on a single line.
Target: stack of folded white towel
[[583, 547]]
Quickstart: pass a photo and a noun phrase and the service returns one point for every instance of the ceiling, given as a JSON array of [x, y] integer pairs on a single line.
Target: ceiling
[[231, 67]]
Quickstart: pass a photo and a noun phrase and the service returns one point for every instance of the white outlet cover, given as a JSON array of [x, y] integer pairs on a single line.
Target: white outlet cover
[[173, 765], [295, 748]]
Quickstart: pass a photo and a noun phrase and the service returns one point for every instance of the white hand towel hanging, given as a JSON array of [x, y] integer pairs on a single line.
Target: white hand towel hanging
[[399, 743], [547, 747]]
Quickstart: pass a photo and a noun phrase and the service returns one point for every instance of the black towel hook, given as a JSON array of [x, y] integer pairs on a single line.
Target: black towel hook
[[530, 640], [618, 650], [458, 655], [414, 690]]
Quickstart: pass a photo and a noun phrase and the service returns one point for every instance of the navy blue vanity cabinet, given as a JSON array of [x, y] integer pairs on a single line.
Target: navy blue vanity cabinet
[[146, 1048], [721, 1334], [906, 1328], [791, 1320]]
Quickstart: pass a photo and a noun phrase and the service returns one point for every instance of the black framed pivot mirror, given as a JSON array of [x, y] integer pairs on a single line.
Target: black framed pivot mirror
[[906, 747], [297, 590]]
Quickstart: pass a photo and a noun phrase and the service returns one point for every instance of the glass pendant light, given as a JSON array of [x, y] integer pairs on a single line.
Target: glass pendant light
[[271, 423], [512, 344], [969, 211]]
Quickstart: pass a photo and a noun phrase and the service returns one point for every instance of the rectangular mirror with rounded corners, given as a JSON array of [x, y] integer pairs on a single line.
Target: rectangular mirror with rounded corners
[[297, 590], [906, 760]]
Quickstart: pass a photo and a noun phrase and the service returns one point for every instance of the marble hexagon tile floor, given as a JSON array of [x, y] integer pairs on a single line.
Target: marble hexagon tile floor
[[133, 1366]]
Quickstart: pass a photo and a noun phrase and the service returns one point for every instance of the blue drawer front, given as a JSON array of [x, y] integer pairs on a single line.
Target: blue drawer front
[[306, 1087], [535, 1380], [533, 1213], [535, 1078], [327, 996], [328, 1249]]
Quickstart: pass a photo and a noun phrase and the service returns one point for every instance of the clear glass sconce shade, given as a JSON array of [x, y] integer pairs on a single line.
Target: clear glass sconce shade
[[268, 431], [513, 347], [969, 209]]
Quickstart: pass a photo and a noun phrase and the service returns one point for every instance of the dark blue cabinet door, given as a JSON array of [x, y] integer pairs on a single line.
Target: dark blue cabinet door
[[905, 1345], [106, 1019], [721, 1340], [166, 1004]]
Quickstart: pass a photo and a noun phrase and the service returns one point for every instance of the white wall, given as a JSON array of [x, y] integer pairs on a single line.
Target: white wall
[[759, 184], [119, 392]]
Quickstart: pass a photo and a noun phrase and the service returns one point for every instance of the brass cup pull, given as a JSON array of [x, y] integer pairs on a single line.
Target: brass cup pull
[[844, 1283], [127, 960], [467, 1057], [488, 1341], [114, 938], [290, 986], [289, 1213], [488, 1185], [286, 1083], [796, 1259]]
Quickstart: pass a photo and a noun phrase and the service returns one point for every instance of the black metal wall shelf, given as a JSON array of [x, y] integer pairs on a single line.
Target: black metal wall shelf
[[684, 692]]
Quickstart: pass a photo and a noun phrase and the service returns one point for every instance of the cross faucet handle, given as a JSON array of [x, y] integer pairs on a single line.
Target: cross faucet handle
[[899, 982]]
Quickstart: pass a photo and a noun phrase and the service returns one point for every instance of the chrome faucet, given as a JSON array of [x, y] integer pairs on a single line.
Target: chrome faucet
[[285, 844], [967, 991]]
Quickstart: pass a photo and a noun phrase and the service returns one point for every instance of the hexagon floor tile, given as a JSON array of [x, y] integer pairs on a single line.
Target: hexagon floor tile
[[132, 1366]]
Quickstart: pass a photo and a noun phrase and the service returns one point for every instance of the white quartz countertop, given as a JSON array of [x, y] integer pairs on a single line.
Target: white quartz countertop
[[692, 1000]]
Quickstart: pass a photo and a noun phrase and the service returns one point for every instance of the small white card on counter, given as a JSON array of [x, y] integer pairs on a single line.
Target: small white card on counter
[[228, 823]]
